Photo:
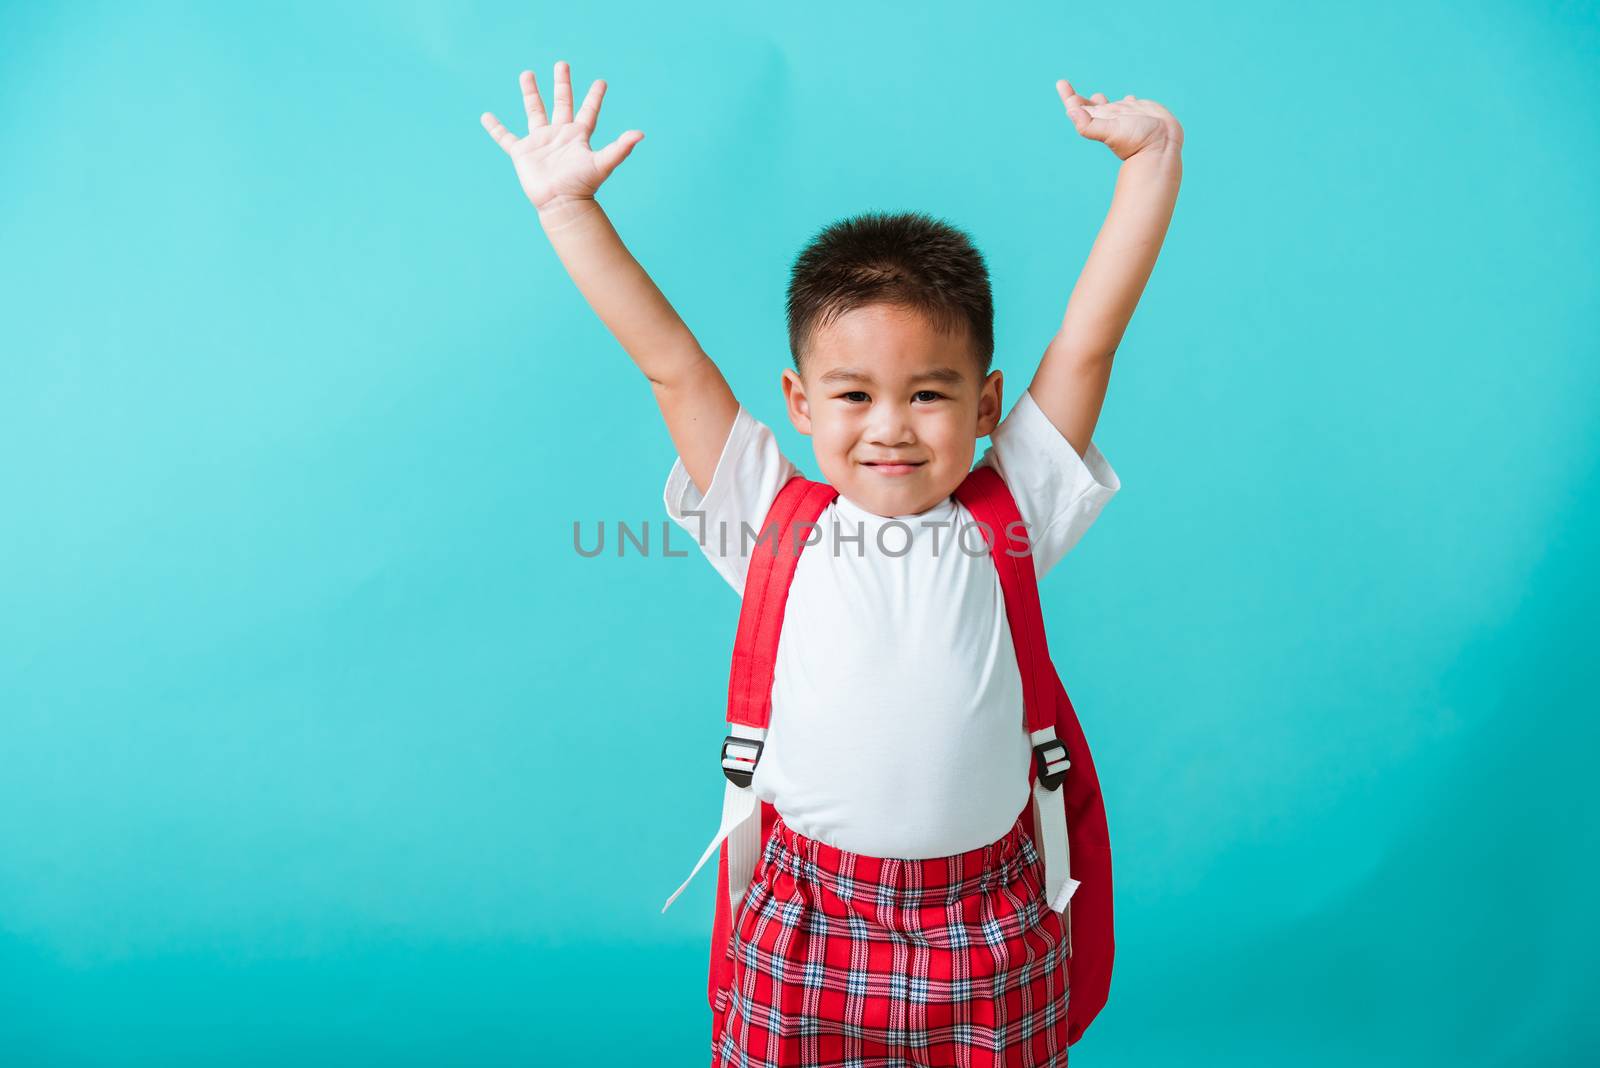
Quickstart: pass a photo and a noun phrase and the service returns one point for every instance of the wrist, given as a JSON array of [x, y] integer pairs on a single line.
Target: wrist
[[1162, 155], [562, 211], [1167, 144]]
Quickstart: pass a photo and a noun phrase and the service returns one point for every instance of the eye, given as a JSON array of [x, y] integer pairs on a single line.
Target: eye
[[853, 394], [931, 394]]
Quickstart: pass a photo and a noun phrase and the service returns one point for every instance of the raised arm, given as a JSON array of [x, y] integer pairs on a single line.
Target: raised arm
[[1070, 385], [560, 175]]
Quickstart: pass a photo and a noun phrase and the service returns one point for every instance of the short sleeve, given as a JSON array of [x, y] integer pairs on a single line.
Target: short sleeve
[[750, 472], [1058, 492]]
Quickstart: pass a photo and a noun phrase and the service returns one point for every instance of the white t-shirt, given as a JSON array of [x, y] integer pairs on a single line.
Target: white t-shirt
[[897, 724]]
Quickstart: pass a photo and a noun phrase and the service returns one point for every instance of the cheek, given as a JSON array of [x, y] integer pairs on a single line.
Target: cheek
[[830, 426], [948, 428], [954, 439]]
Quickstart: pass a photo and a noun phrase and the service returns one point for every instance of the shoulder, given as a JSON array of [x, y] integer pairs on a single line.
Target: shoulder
[[750, 472], [1059, 493]]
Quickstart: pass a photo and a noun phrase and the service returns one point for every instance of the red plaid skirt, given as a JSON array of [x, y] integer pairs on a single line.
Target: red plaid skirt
[[869, 962]]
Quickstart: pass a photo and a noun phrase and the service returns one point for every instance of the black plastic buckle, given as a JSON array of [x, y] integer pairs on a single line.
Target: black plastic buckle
[[740, 776], [1045, 754]]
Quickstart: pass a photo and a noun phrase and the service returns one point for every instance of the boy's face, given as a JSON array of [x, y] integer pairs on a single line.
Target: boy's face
[[883, 387]]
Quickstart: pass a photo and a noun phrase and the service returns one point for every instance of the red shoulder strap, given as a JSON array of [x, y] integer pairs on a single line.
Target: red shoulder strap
[[985, 494], [766, 590]]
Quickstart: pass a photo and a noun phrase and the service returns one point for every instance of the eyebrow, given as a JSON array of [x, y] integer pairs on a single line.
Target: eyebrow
[[852, 374]]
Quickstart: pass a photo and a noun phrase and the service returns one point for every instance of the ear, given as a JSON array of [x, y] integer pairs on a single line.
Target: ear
[[794, 399], [989, 395]]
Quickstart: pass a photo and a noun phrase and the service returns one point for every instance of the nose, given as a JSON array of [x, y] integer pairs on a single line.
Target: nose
[[889, 425]]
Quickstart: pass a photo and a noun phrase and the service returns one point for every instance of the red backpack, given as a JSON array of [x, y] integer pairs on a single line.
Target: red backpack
[[1069, 816]]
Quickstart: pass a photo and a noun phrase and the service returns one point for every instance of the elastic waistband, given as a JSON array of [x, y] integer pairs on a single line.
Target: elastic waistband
[[902, 882]]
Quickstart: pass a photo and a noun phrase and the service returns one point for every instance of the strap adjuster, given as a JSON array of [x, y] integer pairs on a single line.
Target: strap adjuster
[[740, 767], [1051, 759]]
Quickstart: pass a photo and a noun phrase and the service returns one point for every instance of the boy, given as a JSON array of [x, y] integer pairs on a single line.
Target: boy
[[894, 757]]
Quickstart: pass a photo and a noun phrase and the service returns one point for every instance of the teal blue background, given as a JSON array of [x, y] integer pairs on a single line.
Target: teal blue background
[[319, 744]]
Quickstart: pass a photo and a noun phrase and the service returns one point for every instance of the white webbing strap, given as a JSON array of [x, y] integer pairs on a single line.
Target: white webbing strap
[[1050, 830], [741, 826]]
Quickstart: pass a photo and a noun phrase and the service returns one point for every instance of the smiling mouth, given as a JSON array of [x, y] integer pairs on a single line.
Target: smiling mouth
[[896, 468]]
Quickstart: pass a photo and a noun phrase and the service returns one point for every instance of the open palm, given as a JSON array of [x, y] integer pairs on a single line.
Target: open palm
[[554, 161], [1125, 126]]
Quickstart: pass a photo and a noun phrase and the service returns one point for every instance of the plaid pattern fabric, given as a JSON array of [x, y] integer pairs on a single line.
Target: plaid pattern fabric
[[867, 962]]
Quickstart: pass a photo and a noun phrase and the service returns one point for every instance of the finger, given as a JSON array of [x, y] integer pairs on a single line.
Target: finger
[[607, 158], [1096, 124], [502, 136], [563, 111], [532, 102], [1074, 104], [589, 114], [1069, 95], [1099, 98]]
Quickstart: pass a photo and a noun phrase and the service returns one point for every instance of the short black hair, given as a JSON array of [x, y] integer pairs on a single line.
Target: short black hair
[[908, 259]]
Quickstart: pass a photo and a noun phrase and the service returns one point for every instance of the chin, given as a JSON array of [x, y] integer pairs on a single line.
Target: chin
[[906, 502]]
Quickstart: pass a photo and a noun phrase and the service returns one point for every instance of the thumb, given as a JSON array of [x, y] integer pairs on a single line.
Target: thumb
[[1087, 124], [617, 151]]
